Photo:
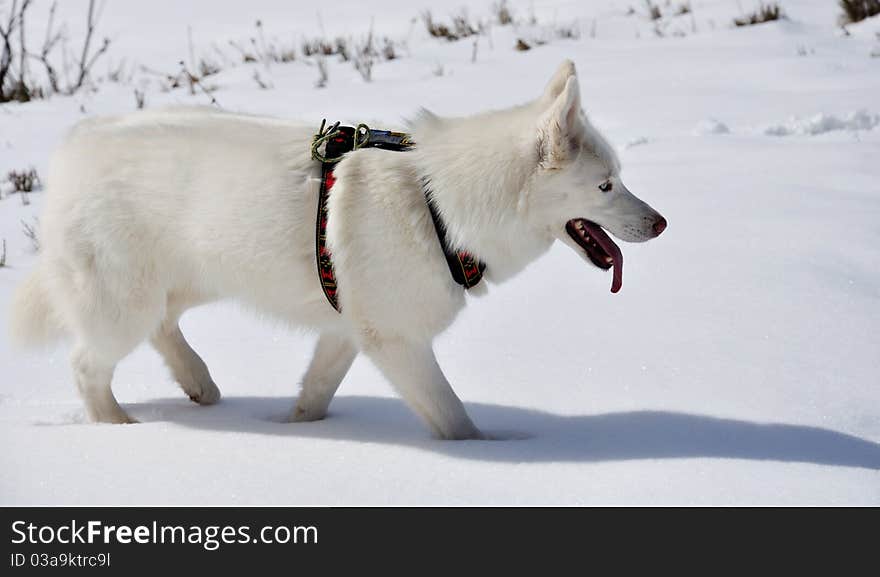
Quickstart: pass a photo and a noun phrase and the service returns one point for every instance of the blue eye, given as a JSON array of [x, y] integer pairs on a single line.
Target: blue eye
[[605, 186]]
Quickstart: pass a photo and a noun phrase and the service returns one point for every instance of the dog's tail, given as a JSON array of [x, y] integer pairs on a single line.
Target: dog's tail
[[33, 320]]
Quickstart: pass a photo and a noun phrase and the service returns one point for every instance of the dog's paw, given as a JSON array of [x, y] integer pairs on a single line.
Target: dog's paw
[[114, 416], [306, 414], [206, 393]]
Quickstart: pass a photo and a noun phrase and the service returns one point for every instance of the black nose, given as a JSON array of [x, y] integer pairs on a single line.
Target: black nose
[[659, 226]]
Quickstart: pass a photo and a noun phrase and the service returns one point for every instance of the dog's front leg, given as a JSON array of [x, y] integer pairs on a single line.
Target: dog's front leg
[[414, 373], [332, 359]]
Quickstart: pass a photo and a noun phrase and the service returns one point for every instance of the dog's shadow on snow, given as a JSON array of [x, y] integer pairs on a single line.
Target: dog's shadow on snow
[[538, 436]]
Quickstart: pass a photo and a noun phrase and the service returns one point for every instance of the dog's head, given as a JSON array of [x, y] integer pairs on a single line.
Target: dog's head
[[577, 192]]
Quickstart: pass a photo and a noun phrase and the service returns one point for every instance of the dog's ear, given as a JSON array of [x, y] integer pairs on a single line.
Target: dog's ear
[[556, 85], [557, 127]]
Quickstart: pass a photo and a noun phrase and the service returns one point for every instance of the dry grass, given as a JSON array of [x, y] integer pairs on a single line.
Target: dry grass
[[503, 13], [858, 10], [764, 13], [23, 181], [460, 27], [653, 10]]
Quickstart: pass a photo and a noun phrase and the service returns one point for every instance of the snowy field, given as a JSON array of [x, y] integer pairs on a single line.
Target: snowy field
[[739, 364]]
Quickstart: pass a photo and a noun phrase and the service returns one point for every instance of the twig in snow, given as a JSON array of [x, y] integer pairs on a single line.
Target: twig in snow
[[322, 73], [30, 231], [49, 42], [194, 82], [88, 58], [260, 82], [140, 98]]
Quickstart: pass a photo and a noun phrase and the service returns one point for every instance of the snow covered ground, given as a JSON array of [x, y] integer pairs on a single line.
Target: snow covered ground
[[739, 365]]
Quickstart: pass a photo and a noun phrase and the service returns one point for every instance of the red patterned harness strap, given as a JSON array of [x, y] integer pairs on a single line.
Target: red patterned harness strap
[[325, 265], [464, 268]]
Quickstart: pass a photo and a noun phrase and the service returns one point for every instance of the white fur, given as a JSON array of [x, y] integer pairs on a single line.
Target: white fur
[[156, 212]]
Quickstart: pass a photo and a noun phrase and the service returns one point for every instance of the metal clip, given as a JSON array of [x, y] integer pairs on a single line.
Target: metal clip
[[322, 137]]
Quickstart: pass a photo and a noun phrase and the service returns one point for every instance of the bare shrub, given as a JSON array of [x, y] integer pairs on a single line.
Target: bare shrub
[[265, 50], [364, 66], [858, 10], [342, 49], [572, 31], [13, 62], [389, 50], [318, 47], [195, 82], [24, 181], [366, 54], [246, 56], [88, 57], [463, 27], [49, 43], [207, 68], [436, 30], [653, 10], [365, 57], [502, 12], [16, 81], [326, 47], [460, 27], [764, 13]]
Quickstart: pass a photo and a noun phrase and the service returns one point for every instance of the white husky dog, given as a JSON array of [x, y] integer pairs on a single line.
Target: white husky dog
[[153, 213]]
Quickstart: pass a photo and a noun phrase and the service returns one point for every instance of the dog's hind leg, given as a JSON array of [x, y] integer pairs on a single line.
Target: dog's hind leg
[[333, 357], [187, 367], [93, 376], [414, 373], [108, 318]]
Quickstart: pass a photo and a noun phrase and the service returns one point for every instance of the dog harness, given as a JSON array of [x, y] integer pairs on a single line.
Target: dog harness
[[338, 140]]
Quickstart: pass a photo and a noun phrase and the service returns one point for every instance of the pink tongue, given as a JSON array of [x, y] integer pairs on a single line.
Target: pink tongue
[[612, 249]]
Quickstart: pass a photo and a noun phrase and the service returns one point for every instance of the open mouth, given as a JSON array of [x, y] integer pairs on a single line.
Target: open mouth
[[598, 246]]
